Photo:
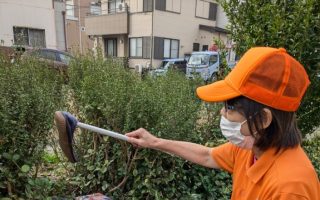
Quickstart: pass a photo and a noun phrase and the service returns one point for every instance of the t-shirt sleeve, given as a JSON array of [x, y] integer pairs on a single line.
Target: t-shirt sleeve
[[224, 155]]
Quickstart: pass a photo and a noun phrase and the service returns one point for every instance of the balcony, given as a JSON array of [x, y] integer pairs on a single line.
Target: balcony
[[112, 23]]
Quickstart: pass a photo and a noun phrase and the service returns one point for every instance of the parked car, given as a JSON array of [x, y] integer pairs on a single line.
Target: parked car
[[204, 64], [56, 58], [178, 64]]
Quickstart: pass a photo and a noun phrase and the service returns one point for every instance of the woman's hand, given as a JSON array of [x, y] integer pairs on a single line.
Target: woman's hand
[[142, 138]]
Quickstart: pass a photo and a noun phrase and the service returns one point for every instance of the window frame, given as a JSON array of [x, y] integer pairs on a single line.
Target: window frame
[[212, 14], [115, 47], [130, 53], [196, 46], [70, 8], [147, 4], [162, 6], [28, 36], [159, 48]]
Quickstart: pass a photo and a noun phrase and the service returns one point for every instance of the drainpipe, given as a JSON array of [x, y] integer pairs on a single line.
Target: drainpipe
[[80, 34], [64, 29], [152, 37]]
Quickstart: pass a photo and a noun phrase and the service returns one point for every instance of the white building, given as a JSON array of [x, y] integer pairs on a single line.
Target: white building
[[148, 31], [29, 23]]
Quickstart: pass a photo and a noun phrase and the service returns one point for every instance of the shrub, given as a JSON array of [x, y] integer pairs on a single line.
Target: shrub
[[111, 97], [29, 93], [312, 148]]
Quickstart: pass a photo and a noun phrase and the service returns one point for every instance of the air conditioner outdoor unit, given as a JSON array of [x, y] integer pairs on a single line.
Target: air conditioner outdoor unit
[[122, 7], [138, 68]]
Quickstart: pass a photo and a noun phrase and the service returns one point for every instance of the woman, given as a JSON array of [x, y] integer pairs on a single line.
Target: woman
[[260, 95]]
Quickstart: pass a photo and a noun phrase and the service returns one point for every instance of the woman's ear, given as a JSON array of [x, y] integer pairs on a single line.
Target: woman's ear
[[267, 118]]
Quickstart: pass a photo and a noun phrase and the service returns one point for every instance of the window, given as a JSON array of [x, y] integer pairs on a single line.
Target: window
[[95, 8], [116, 6], [64, 58], [161, 5], [146, 50], [136, 47], [171, 48], [70, 9], [110, 47], [29, 37], [46, 54], [165, 48], [205, 47], [140, 47], [168, 5], [111, 6], [147, 5], [196, 47], [206, 10], [174, 49], [213, 11], [166, 52], [213, 59]]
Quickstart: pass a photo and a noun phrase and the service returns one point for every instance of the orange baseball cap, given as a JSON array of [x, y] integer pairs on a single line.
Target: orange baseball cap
[[266, 75]]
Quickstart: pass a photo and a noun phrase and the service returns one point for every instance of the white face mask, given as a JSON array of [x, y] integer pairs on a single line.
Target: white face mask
[[231, 130]]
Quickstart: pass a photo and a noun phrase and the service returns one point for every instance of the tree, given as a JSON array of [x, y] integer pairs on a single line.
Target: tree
[[292, 24]]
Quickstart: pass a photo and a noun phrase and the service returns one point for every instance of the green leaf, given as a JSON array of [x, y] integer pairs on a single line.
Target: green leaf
[[135, 172], [15, 157], [25, 168]]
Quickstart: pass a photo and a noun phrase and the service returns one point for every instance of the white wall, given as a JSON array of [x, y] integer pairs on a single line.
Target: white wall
[[60, 7], [222, 19], [183, 26], [140, 24], [37, 14]]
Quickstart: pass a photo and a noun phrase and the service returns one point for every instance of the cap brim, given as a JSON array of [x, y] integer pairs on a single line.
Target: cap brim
[[217, 91]]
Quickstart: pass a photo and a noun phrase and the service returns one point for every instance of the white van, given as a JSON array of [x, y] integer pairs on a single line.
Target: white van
[[204, 64]]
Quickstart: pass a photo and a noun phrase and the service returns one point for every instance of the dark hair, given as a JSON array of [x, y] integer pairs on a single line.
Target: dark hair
[[282, 133]]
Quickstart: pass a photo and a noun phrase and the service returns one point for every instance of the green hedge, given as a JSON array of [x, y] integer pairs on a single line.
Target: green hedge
[[29, 93], [111, 97]]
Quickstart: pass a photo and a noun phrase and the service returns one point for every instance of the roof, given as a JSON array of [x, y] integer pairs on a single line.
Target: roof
[[174, 59], [213, 29], [205, 52]]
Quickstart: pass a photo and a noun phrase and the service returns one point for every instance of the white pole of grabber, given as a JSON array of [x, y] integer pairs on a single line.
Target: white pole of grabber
[[102, 131]]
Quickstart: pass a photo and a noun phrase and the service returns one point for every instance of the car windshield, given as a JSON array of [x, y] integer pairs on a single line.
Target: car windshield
[[199, 59], [65, 58], [163, 64], [168, 64]]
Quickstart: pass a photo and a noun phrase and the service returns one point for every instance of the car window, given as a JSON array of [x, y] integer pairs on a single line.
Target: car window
[[199, 59], [163, 64], [50, 55], [168, 65], [213, 59], [64, 58]]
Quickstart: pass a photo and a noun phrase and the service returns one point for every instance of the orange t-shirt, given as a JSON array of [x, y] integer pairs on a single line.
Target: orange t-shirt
[[287, 175]]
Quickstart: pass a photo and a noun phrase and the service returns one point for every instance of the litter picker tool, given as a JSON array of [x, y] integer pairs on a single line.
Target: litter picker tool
[[67, 123]]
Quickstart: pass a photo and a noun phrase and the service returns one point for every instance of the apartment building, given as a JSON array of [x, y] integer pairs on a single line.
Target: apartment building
[[76, 11], [32, 23], [148, 31]]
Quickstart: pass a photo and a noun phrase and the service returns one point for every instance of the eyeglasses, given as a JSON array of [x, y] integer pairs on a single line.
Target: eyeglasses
[[228, 107]]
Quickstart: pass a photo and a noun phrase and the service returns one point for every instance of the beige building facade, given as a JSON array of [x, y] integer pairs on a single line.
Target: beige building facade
[[77, 39], [28, 23], [148, 31]]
